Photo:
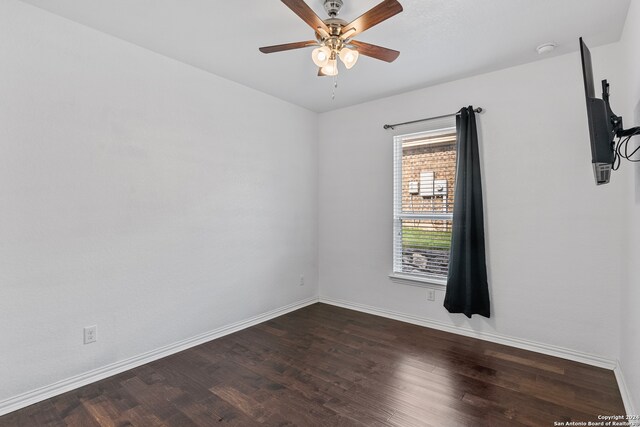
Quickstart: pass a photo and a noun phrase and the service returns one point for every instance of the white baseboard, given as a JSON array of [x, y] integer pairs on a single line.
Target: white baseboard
[[46, 392], [43, 393], [624, 390], [550, 350]]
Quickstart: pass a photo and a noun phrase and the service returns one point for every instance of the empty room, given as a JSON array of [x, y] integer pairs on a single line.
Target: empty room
[[319, 213]]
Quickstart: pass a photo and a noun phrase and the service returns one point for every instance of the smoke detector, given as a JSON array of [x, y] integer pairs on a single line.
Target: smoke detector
[[546, 48]]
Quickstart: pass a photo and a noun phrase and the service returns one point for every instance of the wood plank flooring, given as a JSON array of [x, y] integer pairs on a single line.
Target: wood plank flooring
[[327, 366]]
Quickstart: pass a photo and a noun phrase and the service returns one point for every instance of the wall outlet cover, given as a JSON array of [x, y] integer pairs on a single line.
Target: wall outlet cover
[[431, 295], [90, 334]]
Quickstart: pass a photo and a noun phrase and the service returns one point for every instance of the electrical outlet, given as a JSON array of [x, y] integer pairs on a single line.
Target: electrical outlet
[[302, 280], [90, 334], [431, 294]]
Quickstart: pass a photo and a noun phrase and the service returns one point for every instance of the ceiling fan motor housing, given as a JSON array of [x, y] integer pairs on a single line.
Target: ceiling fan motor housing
[[333, 7]]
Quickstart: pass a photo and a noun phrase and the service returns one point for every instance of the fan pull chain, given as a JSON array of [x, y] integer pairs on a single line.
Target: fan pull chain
[[335, 86]]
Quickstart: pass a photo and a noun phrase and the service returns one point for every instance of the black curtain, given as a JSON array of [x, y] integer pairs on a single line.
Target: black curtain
[[467, 287]]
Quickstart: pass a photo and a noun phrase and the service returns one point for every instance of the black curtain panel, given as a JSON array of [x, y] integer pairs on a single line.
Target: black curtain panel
[[467, 287]]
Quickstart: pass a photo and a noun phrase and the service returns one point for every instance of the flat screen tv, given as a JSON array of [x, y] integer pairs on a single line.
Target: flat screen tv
[[604, 125]]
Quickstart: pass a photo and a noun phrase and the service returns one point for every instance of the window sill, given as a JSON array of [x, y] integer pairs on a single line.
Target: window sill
[[423, 282]]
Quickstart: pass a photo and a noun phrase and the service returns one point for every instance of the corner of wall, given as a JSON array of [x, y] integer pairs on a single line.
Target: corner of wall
[[629, 377]]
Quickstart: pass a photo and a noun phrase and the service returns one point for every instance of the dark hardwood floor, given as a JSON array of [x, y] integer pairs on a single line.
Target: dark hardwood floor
[[327, 366]]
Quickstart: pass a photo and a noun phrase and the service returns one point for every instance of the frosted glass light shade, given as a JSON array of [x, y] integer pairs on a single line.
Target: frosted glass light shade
[[321, 56], [349, 57], [331, 69]]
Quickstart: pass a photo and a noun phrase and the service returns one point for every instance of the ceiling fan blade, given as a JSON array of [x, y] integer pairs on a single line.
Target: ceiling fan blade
[[374, 16], [377, 52], [300, 8], [287, 46]]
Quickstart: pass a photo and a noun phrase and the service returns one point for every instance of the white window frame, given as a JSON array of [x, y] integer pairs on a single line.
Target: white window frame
[[436, 127]]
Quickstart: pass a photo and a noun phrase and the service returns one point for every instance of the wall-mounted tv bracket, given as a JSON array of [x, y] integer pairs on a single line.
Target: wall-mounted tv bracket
[[616, 121]]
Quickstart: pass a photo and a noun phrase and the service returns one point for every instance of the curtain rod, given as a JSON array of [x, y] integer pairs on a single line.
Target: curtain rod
[[477, 110]]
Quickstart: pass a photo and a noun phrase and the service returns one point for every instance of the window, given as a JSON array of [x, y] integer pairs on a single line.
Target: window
[[424, 181]]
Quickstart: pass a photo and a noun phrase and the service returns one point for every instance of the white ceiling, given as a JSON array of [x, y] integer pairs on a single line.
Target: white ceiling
[[439, 40]]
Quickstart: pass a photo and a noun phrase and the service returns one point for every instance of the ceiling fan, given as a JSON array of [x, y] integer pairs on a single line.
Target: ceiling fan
[[334, 37]]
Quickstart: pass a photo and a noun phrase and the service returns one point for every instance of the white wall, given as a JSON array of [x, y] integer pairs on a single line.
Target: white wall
[[630, 336], [139, 194], [554, 250]]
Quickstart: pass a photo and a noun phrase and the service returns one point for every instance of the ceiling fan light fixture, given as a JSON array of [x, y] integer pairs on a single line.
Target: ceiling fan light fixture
[[349, 57], [321, 56], [331, 69], [334, 37]]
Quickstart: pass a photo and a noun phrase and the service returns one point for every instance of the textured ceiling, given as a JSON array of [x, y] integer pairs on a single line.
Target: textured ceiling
[[439, 40]]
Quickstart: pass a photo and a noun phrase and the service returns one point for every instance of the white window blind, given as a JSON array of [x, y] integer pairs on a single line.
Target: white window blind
[[424, 182]]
